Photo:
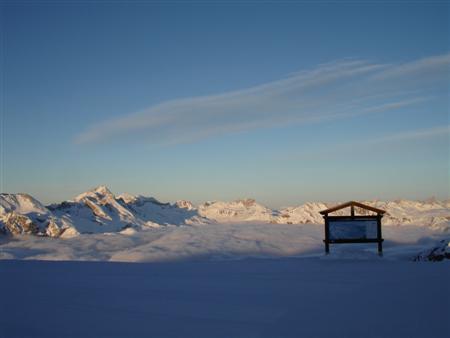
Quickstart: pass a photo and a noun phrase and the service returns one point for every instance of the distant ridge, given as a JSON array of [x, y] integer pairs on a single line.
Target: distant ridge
[[99, 211]]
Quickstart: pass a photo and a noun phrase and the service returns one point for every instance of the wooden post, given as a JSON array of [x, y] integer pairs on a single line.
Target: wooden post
[[379, 235], [327, 235]]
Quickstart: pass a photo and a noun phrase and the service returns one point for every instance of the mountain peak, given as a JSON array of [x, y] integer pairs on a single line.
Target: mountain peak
[[98, 192], [20, 202], [102, 189]]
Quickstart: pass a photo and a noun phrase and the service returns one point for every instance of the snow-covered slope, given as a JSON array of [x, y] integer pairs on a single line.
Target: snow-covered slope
[[23, 214], [150, 209], [21, 203], [438, 253]]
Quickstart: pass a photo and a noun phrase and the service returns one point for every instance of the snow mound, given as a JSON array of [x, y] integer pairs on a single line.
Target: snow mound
[[440, 252]]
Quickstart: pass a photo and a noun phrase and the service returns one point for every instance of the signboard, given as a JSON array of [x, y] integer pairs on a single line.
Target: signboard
[[352, 229]]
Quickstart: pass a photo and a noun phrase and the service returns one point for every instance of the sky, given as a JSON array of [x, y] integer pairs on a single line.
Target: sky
[[284, 102]]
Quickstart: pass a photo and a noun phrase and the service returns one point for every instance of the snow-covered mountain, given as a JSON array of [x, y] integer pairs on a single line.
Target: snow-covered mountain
[[23, 214], [150, 209], [431, 213], [95, 211], [100, 211], [236, 211], [305, 213]]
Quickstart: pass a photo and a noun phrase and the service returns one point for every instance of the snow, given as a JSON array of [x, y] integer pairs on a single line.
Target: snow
[[21, 203], [150, 209], [236, 211], [245, 298], [432, 213], [224, 269], [214, 242]]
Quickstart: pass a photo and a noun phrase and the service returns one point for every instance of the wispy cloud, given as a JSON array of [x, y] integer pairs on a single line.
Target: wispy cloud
[[412, 135], [422, 67], [335, 90]]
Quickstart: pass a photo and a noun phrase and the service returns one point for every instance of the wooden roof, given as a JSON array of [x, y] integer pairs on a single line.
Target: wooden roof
[[352, 204]]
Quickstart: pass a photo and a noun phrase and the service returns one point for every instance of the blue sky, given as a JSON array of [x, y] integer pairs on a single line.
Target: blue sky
[[284, 103]]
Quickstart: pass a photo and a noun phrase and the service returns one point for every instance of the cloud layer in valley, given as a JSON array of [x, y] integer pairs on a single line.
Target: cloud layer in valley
[[340, 89]]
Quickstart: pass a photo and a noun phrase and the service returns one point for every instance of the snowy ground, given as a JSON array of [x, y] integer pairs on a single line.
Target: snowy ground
[[222, 280], [288, 297]]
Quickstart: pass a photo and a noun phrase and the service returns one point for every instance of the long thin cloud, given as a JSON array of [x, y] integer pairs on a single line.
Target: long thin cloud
[[340, 89], [413, 135], [420, 67]]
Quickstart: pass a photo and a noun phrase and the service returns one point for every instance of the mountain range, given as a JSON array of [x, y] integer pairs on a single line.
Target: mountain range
[[100, 211]]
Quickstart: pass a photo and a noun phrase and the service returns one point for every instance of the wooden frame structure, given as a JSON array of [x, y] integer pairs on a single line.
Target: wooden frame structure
[[356, 219]]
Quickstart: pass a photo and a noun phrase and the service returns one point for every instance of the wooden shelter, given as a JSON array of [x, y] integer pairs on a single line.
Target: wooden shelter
[[353, 228]]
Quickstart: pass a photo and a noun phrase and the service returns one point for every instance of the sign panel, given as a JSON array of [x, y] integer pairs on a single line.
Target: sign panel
[[353, 229]]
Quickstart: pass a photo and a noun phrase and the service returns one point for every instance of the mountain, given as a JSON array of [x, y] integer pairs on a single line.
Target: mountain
[[95, 211], [236, 211], [23, 214], [100, 211], [435, 214], [150, 209], [306, 213]]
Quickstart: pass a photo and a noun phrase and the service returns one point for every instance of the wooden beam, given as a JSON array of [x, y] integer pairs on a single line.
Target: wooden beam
[[350, 204], [356, 217], [368, 207], [355, 240]]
